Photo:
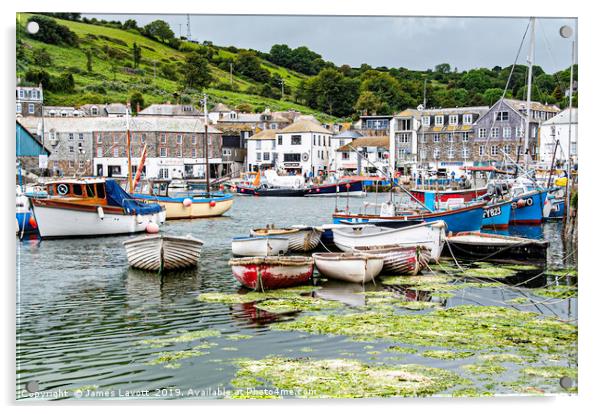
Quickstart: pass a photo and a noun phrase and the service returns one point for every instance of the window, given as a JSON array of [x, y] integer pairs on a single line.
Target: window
[[266, 156], [194, 153], [81, 136], [292, 157], [279, 139], [296, 140], [163, 139], [94, 110], [19, 108], [115, 139], [439, 120], [99, 139], [453, 119], [77, 189], [71, 135], [507, 149], [450, 138], [426, 120], [450, 153], [179, 152], [314, 139], [436, 138], [71, 164], [115, 152], [345, 155], [193, 139], [258, 156], [507, 132], [422, 154], [465, 153], [404, 124], [436, 153], [179, 139], [82, 165], [482, 133], [464, 136], [467, 119], [481, 150], [501, 116], [423, 139], [31, 108], [494, 150], [142, 138], [495, 132], [162, 152], [518, 131], [71, 149], [99, 152], [403, 138]]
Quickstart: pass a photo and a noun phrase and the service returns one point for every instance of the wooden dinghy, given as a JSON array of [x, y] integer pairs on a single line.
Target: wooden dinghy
[[259, 246], [350, 267], [262, 273], [497, 248], [159, 252], [399, 260], [300, 239]]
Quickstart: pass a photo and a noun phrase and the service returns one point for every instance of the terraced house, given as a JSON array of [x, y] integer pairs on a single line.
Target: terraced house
[[500, 131]]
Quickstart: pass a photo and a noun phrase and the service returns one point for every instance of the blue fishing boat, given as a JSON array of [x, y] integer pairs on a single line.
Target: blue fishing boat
[[497, 215], [554, 205], [464, 218], [527, 208]]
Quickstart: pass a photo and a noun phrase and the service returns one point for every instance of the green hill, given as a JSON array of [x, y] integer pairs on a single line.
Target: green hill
[[113, 78]]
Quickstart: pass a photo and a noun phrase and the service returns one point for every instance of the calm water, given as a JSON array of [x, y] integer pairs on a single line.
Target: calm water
[[81, 310]]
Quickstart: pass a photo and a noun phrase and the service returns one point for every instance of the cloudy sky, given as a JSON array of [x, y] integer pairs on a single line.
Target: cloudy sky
[[411, 42]]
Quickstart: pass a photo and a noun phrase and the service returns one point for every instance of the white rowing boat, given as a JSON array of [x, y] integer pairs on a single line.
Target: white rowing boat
[[259, 246], [429, 234], [399, 260], [349, 267], [159, 252], [300, 239]]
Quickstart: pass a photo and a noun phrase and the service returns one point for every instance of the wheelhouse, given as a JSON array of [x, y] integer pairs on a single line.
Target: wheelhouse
[[83, 190]]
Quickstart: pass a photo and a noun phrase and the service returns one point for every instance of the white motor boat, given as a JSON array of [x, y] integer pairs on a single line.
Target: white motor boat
[[429, 234], [161, 253], [259, 246], [349, 267]]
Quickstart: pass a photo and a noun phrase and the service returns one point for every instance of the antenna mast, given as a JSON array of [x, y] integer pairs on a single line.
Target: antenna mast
[[188, 35], [529, 78]]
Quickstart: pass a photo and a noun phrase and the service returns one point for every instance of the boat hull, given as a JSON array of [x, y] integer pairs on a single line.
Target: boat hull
[[163, 253], [427, 235], [261, 273], [430, 198], [497, 215], [528, 208], [497, 248], [399, 260], [299, 240], [259, 246], [354, 268], [199, 208], [355, 189], [57, 219]]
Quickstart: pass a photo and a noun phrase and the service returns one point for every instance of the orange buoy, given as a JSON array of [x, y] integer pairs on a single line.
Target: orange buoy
[[152, 228], [212, 203], [33, 223]]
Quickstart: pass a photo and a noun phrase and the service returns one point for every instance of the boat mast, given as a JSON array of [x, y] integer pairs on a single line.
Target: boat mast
[[529, 79], [128, 144], [206, 146]]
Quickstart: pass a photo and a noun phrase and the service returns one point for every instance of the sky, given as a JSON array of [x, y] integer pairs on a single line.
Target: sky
[[415, 43]]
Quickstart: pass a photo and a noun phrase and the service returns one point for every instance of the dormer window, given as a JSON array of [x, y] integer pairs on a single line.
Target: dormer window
[[467, 119], [438, 120], [453, 119], [94, 110], [426, 120]]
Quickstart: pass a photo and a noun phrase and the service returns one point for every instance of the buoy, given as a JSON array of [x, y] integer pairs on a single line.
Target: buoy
[[221, 187], [348, 186], [33, 223], [521, 203], [317, 190], [152, 228], [187, 202], [212, 203]]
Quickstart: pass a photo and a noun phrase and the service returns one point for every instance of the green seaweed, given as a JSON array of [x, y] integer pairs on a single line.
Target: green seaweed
[[238, 337], [189, 336], [518, 300], [471, 392], [550, 372], [487, 368], [439, 354], [570, 271], [233, 298], [170, 359], [346, 378], [557, 291], [501, 358], [296, 304], [496, 272]]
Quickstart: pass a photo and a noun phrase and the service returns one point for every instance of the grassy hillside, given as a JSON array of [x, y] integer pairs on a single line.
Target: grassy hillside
[[113, 79]]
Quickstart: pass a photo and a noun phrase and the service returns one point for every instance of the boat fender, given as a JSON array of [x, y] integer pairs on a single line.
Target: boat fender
[[100, 212], [521, 203], [212, 203], [33, 223], [187, 202], [152, 228]]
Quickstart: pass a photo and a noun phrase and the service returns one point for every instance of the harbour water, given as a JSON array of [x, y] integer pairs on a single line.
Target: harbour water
[[84, 318]]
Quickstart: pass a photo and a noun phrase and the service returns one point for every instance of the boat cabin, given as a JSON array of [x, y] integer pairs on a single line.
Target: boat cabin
[[159, 188], [89, 191]]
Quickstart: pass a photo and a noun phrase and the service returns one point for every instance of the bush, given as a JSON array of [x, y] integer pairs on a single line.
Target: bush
[[169, 72], [53, 33], [114, 40], [64, 83], [37, 76], [41, 57], [96, 88]]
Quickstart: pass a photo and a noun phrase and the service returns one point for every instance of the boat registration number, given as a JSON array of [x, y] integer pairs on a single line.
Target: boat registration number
[[492, 212]]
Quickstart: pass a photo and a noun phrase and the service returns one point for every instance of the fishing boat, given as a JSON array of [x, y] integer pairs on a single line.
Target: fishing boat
[[462, 218], [431, 197], [352, 188], [497, 248], [186, 204], [528, 207], [160, 253], [261, 273], [428, 235], [259, 246], [554, 204], [497, 214], [26, 222], [265, 191], [399, 260], [350, 267], [300, 239], [393, 224], [92, 207]]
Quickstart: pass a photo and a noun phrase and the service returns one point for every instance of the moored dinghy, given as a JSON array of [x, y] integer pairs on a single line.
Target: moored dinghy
[[259, 246], [399, 260], [160, 252], [300, 238], [350, 267], [262, 273]]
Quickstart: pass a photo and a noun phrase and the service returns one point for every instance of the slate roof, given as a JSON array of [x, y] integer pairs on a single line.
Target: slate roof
[[377, 141], [305, 125]]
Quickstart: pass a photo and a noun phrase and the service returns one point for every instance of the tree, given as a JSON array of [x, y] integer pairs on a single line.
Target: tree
[[41, 57], [136, 54], [557, 94], [244, 107], [330, 92], [130, 24], [136, 101], [88, 53], [159, 30], [52, 32], [368, 103], [248, 64], [443, 68], [64, 83], [384, 86], [195, 71], [37, 77], [492, 95]]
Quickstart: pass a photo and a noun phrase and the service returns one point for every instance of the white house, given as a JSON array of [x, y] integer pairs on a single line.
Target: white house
[[304, 148], [261, 150], [364, 155], [559, 128]]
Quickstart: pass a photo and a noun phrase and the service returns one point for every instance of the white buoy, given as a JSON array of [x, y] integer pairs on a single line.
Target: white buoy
[[152, 228], [187, 202]]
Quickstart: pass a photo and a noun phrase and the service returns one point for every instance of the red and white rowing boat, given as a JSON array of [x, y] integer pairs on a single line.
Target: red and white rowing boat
[[272, 272]]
